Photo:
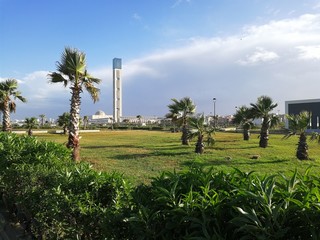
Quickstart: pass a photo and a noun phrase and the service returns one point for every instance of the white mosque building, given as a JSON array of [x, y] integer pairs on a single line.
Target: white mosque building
[[100, 117]]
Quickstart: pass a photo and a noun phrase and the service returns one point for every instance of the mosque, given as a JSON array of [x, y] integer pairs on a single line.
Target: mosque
[[100, 117]]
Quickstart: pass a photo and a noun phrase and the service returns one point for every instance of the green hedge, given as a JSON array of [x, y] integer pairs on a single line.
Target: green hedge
[[55, 198]]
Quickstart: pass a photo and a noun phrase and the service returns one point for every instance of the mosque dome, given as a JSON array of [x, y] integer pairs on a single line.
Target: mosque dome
[[100, 113]]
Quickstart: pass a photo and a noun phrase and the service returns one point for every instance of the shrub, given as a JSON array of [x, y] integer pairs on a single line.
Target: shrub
[[56, 198]]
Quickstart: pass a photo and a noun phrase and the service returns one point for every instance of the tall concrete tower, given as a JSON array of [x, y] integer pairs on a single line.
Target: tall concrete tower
[[117, 90]]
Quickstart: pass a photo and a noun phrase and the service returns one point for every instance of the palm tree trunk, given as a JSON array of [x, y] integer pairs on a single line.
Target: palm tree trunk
[[30, 132], [264, 134], [6, 123], [184, 137], [74, 139], [199, 145], [246, 134], [302, 150]]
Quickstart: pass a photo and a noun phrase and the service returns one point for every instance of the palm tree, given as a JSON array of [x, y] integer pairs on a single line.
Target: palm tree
[[262, 109], [30, 123], [200, 130], [42, 117], [298, 125], [179, 112], [72, 70], [64, 121], [8, 89], [244, 118]]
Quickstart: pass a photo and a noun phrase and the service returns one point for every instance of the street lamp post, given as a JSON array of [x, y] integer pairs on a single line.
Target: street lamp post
[[214, 112]]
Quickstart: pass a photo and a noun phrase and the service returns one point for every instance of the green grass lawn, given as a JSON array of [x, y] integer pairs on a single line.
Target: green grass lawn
[[140, 155]]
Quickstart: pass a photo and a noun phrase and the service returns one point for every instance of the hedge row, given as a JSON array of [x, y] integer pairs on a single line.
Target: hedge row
[[57, 199]]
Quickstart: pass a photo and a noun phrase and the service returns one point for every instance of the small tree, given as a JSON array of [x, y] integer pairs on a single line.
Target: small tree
[[262, 109], [30, 124], [298, 125], [179, 112], [200, 130], [244, 118], [63, 121]]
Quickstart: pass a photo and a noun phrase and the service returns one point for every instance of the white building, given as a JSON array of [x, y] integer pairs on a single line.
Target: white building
[[101, 117]]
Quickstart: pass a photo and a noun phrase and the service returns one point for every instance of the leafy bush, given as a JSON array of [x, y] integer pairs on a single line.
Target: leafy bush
[[55, 198], [200, 204]]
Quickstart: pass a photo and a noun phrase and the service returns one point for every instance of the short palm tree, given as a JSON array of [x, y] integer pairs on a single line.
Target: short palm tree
[[71, 70], [298, 124], [200, 130], [64, 121], [262, 109], [179, 112], [244, 118], [30, 124], [8, 89]]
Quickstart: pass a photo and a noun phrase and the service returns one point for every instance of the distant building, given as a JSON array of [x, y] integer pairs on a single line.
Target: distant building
[[101, 118], [310, 105]]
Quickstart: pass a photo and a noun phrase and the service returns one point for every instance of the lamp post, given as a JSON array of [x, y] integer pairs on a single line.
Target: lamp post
[[214, 112]]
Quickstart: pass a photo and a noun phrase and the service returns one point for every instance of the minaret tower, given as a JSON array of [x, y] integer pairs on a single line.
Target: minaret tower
[[117, 90]]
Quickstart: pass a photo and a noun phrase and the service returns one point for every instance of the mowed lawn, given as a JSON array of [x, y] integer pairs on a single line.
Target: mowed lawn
[[141, 155]]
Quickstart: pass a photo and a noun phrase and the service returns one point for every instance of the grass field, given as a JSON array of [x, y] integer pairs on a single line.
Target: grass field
[[140, 155]]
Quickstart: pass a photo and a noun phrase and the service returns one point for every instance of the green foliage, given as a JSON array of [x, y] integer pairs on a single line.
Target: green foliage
[[208, 204], [298, 123], [58, 199]]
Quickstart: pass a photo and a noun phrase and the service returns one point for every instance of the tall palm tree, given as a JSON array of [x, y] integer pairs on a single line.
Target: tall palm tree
[[8, 89], [179, 112], [64, 121], [298, 125], [71, 70], [262, 109], [30, 124], [244, 118], [200, 130]]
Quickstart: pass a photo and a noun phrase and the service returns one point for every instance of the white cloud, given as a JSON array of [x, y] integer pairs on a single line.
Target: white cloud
[[309, 52], [260, 55], [210, 67], [203, 68]]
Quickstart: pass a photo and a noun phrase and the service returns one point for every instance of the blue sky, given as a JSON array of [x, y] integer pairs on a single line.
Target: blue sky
[[233, 50]]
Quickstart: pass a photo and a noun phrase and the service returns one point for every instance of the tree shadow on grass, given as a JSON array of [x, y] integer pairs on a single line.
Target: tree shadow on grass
[[136, 156], [227, 162], [112, 146], [231, 147]]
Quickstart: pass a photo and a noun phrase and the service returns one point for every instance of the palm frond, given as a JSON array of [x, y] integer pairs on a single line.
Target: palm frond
[[55, 77], [93, 91]]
